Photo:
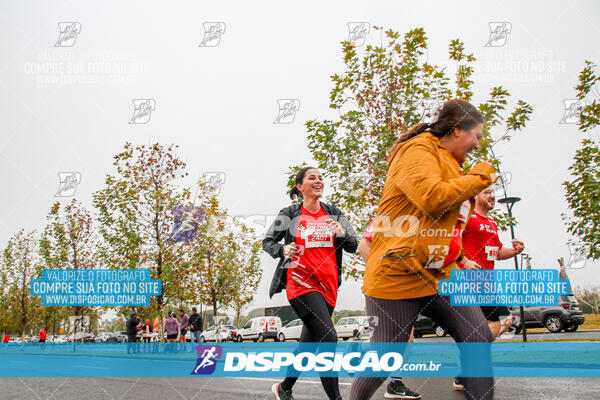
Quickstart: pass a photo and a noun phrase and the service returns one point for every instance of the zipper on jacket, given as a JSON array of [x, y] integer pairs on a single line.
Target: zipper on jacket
[[398, 253]]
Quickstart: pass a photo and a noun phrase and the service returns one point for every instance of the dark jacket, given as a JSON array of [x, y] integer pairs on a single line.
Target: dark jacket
[[196, 320], [284, 227], [131, 326]]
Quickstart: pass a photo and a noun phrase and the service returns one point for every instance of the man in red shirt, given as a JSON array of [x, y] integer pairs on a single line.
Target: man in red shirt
[[42, 333], [482, 248]]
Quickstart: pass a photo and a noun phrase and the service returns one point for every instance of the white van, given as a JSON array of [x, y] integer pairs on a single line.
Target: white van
[[259, 329]]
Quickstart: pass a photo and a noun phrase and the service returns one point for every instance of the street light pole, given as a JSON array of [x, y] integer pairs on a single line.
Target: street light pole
[[510, 202]]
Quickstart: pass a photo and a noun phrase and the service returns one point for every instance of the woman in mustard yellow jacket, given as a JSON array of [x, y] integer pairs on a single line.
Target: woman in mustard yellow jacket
[[425, 204]]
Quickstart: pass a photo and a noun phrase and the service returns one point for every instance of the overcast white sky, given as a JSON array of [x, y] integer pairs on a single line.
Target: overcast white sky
[[67, 108]]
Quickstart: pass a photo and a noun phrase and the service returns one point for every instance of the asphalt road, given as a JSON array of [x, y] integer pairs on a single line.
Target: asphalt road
[[198, 388], [579, 335], [259, 388]]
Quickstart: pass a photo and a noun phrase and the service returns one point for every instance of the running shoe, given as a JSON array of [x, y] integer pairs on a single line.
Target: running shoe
[[281, 394], [457, 384], [397, 390]]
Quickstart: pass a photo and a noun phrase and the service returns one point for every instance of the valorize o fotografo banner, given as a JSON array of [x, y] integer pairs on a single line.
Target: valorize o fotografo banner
[[270, 359], [96, 287], [504, 287]]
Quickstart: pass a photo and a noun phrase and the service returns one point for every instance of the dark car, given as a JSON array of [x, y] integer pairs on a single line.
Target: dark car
[[89, 337], [115, 337], [565, 316], [120, 336], [426, 326]]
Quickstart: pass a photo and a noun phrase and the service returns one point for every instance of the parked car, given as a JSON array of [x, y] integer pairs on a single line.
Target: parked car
[[426, 326], [226, 332], [81, 337], [110, 337], [103, 337], [59, 339], [89, 337], [119, 337], [291, 331], [259, 329], [348, 327], [567, 316]]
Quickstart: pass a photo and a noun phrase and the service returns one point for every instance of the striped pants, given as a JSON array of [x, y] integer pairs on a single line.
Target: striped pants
[[395, 321]]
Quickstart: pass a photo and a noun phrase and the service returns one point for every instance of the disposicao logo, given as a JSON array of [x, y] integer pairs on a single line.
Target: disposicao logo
[[207, 359]]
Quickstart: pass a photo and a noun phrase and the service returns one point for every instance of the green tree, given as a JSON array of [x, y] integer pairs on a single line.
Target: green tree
[[348, 313], [225, 261], [135, 211], [589, 299], [7, 324], [248, 272], [19, 265], [583, 189], [382, 93], [68, 242]]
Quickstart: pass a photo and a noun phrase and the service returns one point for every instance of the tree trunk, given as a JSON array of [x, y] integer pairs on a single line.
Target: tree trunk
[[24, 304], [238, 311], [24, 318], [159, 306], [215, 319], [159, 262]]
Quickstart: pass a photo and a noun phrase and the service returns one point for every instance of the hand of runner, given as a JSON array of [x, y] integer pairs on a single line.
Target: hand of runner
[[335, 227], [518, 246], [290, 251], [468, 264], [494, 175]]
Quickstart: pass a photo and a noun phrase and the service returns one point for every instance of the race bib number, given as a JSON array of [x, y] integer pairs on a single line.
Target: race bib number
[[491, 252], [317, 235]]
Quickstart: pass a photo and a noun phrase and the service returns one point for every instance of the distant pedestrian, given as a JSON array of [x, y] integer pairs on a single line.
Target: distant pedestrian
[[183, 325], [131, 331], [195, 323], [171, 328], [147, 330], [43, 334]]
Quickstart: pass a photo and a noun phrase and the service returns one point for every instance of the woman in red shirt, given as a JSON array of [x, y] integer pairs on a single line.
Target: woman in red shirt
[[310, 267]]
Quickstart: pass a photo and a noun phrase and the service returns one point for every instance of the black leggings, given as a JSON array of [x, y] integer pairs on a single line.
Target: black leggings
[[315, 314], [395, 321]]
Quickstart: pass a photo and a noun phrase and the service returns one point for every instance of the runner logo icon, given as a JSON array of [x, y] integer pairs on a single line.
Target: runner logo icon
[[207, 359]]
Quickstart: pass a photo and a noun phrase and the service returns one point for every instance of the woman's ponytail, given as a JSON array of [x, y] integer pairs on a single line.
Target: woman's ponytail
[[411, 133], [414, 131], [295, 193]]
